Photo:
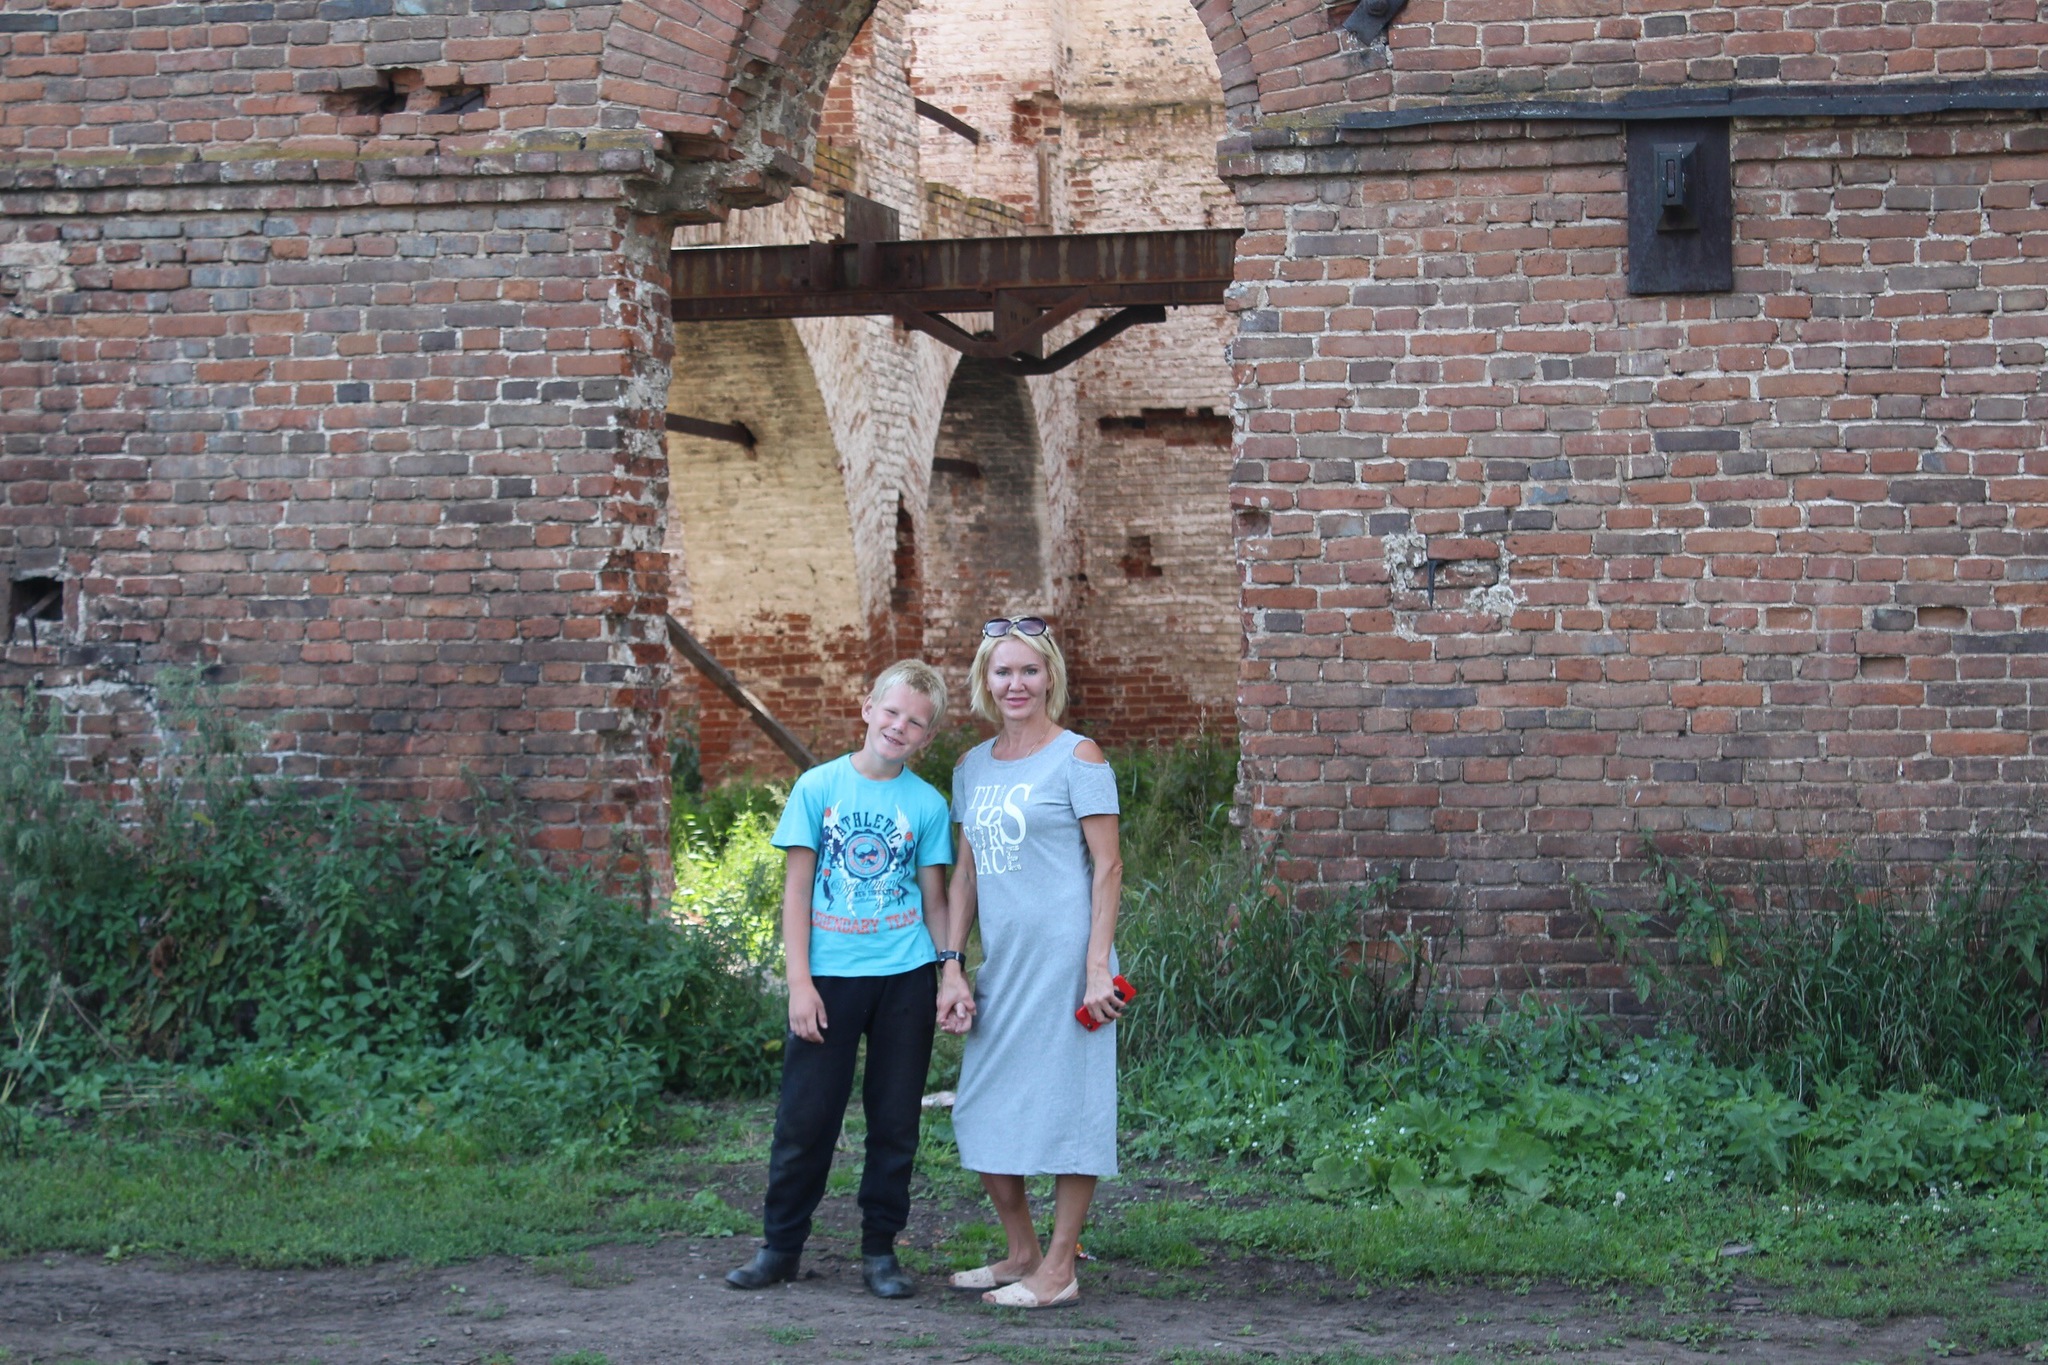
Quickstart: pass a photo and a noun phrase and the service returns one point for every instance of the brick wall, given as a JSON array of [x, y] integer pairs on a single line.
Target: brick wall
[[1102, 118], [985, 537], [1752, 574], [847, 410], [1289, 63], [335, 348], [334, 358], [364, 465], [1158, 631]]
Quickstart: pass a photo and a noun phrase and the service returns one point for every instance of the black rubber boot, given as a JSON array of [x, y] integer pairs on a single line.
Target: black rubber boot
[[884, 1278], [768, 1267]]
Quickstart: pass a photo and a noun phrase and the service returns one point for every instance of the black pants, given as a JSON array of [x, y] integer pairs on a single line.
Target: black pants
[[896, 1013]]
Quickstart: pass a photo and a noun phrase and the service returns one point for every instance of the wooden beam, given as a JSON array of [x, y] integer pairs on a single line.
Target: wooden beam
[[785, 739]]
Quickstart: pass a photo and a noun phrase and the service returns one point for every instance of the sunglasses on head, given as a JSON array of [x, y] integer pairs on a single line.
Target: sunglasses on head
[[1023, 625]]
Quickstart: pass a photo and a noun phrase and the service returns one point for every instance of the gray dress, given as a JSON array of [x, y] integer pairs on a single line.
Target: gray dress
[[1037, 1091]]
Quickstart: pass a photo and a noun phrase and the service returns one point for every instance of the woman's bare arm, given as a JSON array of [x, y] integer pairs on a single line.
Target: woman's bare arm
[[1105, 851], [956, 998]]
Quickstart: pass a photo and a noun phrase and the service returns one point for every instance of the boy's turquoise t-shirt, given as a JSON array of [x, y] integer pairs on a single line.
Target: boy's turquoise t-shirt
[[867, 914]]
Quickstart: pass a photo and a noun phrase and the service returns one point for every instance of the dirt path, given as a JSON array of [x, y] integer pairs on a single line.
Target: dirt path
[[638, 1305]]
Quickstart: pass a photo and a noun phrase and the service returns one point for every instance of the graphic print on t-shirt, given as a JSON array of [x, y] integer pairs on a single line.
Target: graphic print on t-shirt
[[996, 827], [859, 851]]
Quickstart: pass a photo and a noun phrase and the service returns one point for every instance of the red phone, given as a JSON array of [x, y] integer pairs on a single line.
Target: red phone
[[1125, 992]]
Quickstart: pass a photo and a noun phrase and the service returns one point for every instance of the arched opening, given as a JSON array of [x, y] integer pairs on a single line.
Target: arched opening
[[986, 514], [766, 543], [904, 633]]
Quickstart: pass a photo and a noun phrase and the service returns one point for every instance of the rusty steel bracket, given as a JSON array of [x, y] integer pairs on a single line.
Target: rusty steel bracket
[[1013, 359], [721, 677], [1118, 322], [1020, 337]]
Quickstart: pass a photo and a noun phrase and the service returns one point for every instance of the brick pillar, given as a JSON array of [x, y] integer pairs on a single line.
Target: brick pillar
[[391, 476]]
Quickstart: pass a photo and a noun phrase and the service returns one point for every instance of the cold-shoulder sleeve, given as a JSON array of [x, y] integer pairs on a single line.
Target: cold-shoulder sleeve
[[1091, 787]]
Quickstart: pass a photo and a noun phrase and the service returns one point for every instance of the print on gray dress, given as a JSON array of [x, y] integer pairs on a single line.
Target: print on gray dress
[[1037, 1091]]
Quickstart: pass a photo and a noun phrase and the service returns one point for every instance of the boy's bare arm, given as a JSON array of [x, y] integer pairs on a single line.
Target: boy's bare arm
[[931, 885], [806, 1009]]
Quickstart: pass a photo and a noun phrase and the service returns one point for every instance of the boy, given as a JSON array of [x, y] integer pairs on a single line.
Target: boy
[[862, 904]]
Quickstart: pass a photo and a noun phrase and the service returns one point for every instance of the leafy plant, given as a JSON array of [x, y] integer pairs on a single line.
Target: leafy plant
[[327, 970], [1847, 983]]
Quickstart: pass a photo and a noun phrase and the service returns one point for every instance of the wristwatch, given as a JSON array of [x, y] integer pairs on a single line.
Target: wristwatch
[[948, 955]]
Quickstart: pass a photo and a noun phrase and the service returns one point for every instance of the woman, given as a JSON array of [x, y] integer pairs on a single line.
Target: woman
[[1038, 863]]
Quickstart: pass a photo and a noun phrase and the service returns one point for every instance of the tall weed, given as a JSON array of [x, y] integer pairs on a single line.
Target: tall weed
[[1218, 950], [1863, 987], [236, 930]]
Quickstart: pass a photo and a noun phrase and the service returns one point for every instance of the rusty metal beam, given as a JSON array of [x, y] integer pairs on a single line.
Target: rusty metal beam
[[738, 433], [963, 275], [947, 120], [785, 739]]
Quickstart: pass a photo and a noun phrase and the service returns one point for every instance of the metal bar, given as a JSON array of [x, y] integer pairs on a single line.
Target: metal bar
[[1017, 342], [1111, 326], [785, 739], [739, 433], [947, 121], [959, 275], [1729, 101]]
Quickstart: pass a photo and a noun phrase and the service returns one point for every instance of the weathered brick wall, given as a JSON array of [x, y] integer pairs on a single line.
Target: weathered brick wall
[[1159, 634], [985, 539], [799, 569], [967, 492], [334, 360], [364, 465], [1289, 62], [1754, 574], [335, 350]]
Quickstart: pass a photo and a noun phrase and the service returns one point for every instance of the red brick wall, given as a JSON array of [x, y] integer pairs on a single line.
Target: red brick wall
[[1757, 575], [1289, 63], [334, 362], [367, 466]]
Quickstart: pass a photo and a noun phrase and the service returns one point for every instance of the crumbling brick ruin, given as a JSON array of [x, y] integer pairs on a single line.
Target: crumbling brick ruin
[[1097, 495], [337, 348]]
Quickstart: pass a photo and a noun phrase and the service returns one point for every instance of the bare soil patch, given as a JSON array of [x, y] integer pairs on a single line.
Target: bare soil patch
[[638, 1305]]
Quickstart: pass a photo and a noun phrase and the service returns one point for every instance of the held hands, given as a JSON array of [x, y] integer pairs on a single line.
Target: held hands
[[1102, 1000], [956, 1000], [806, 1012]]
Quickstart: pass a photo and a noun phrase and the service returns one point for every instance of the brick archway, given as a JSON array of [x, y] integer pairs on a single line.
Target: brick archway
[[985, 523]]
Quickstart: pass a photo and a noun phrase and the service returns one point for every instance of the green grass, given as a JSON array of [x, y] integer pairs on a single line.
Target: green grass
[[1187, 1355], [1955, 1257], [215, 1206]]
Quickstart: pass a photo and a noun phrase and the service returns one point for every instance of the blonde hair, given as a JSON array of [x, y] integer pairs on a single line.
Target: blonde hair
[[921, 678], [1046, 648]]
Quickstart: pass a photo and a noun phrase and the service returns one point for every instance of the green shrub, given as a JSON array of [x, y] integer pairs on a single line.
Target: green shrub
[[1860, 986], [323, 946]]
